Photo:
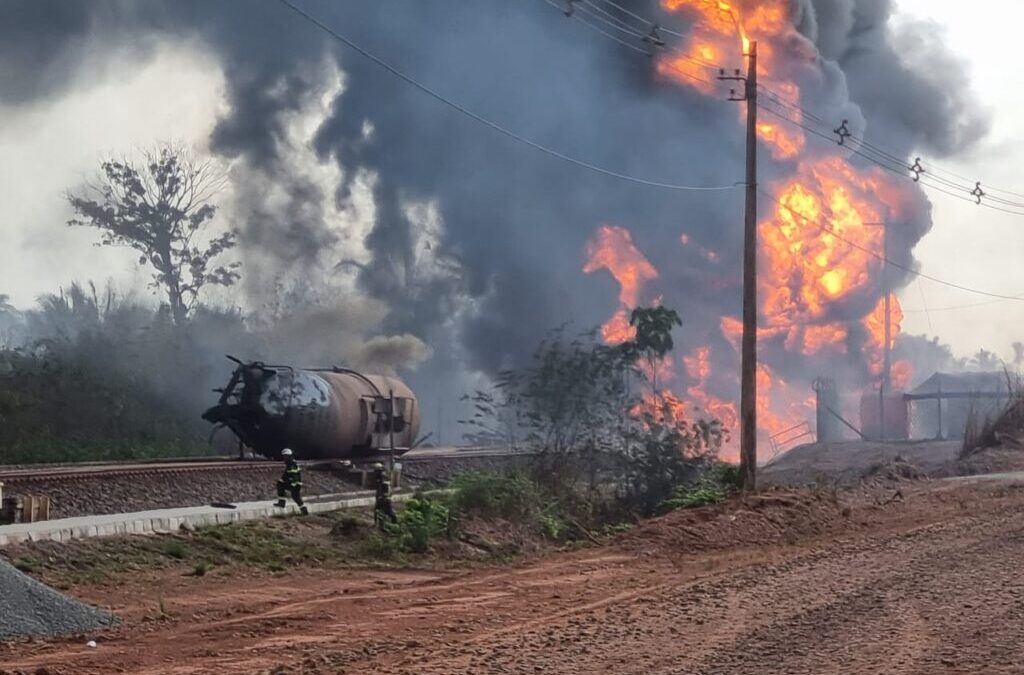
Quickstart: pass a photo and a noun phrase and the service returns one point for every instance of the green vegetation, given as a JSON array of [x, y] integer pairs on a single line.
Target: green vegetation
[[422, 520], [507, 495], [98, 376], [611, 443], [484, 516], [713, 487]]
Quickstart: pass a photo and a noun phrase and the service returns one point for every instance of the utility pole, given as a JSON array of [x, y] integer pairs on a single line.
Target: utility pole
[[748, 353], [887, 352], [886, 375]]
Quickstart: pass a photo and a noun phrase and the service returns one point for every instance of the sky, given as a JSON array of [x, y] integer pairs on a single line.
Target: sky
[[968, 245], [49, 147]]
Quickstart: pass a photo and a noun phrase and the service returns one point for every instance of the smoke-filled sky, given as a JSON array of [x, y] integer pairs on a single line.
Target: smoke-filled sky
[[345, 178], [977, 247]]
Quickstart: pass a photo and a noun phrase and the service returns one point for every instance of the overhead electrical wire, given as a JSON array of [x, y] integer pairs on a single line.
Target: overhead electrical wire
[[899, 170], [410, 80], [928, 168], [958, 307], [494, 125], [884, 259], [867, 150]]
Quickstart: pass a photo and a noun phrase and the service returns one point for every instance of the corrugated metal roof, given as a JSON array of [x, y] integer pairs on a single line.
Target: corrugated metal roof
[[949, 383]]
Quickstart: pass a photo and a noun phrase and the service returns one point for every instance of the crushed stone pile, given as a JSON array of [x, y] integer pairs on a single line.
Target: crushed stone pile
[[31, 609]]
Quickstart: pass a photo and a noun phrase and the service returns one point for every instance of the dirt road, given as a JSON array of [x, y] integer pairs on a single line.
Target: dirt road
[[930, 584]]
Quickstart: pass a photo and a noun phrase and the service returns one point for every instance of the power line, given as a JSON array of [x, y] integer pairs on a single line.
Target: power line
[[867, 149], [901, 171], [924, 303], [796, 107], [600, 30], [494, 125], [928, 168], [884, 259], [623, 26], [959, 307], [886, 162]]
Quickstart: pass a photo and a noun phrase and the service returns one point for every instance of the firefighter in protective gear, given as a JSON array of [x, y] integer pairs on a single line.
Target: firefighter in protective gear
[[291, 482], [382, 506]]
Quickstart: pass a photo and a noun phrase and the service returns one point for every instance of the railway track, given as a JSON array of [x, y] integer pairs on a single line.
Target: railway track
[[70, 472]]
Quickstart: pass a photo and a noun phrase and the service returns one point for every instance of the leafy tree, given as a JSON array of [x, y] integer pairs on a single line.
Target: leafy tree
[[575, 405], [10, 319], [653, 337], [162, 207]]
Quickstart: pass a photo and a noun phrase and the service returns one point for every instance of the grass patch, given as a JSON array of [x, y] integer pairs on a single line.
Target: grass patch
[[26, 565], [508, 495], [714, 487], [200, 568], [175, 548]]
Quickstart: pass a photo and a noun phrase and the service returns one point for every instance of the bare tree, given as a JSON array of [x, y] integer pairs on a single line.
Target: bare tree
[[161, 207]]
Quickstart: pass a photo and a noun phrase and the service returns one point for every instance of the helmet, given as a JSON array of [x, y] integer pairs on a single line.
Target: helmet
[[287, 452], [378, 466]]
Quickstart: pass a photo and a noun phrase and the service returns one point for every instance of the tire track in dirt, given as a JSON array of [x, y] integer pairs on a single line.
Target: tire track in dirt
[[926, 587]]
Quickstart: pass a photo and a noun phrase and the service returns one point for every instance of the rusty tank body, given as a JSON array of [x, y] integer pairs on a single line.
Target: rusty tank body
[[334, 413]]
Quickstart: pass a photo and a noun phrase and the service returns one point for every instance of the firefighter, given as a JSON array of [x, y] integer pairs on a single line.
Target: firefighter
[[291, 482], [382, 506]]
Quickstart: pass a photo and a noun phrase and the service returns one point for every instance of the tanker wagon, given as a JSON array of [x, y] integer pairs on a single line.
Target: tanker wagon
[[329, 413]]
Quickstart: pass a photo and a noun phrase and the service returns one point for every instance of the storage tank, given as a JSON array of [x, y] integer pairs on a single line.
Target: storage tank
[[896, 421], [334, 413]]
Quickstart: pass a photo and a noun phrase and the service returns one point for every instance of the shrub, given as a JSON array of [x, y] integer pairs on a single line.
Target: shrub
[[715, 486], [175, 549], [201, 568], [382, 546], [702, 493], [509, 495], [422, 520], [552, 527]]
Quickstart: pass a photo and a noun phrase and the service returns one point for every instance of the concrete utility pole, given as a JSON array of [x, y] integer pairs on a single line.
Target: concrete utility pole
[[748, 365], [886, 376], [887, 359]]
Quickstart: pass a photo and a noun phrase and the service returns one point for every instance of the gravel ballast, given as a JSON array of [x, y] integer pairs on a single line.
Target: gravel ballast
[[125, 494], [31, 609]]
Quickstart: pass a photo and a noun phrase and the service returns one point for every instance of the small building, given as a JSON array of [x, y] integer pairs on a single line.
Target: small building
[[884, 418], [941, 405]]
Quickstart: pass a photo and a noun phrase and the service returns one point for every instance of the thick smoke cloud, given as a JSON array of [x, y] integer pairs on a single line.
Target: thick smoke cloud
[[476, 241], [915, 93]]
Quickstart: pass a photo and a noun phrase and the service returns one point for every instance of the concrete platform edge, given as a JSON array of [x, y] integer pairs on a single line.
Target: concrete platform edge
[[165, 520]]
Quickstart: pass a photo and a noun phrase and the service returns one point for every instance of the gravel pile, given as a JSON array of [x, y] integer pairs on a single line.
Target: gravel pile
[[31, 609]]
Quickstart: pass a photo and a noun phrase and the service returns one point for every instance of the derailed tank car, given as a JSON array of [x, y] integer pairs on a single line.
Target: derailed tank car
[[332, 413]]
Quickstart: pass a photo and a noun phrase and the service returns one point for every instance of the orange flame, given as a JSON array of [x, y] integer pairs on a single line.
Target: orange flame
[[718, 29], [820, 244], [613, 249]]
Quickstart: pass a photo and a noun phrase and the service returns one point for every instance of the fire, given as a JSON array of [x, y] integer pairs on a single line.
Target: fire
[[874, 323], [809, 261], [706, 253], [660, 372], [718, 29], [698, 369], [821, 239], [613, 249]]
